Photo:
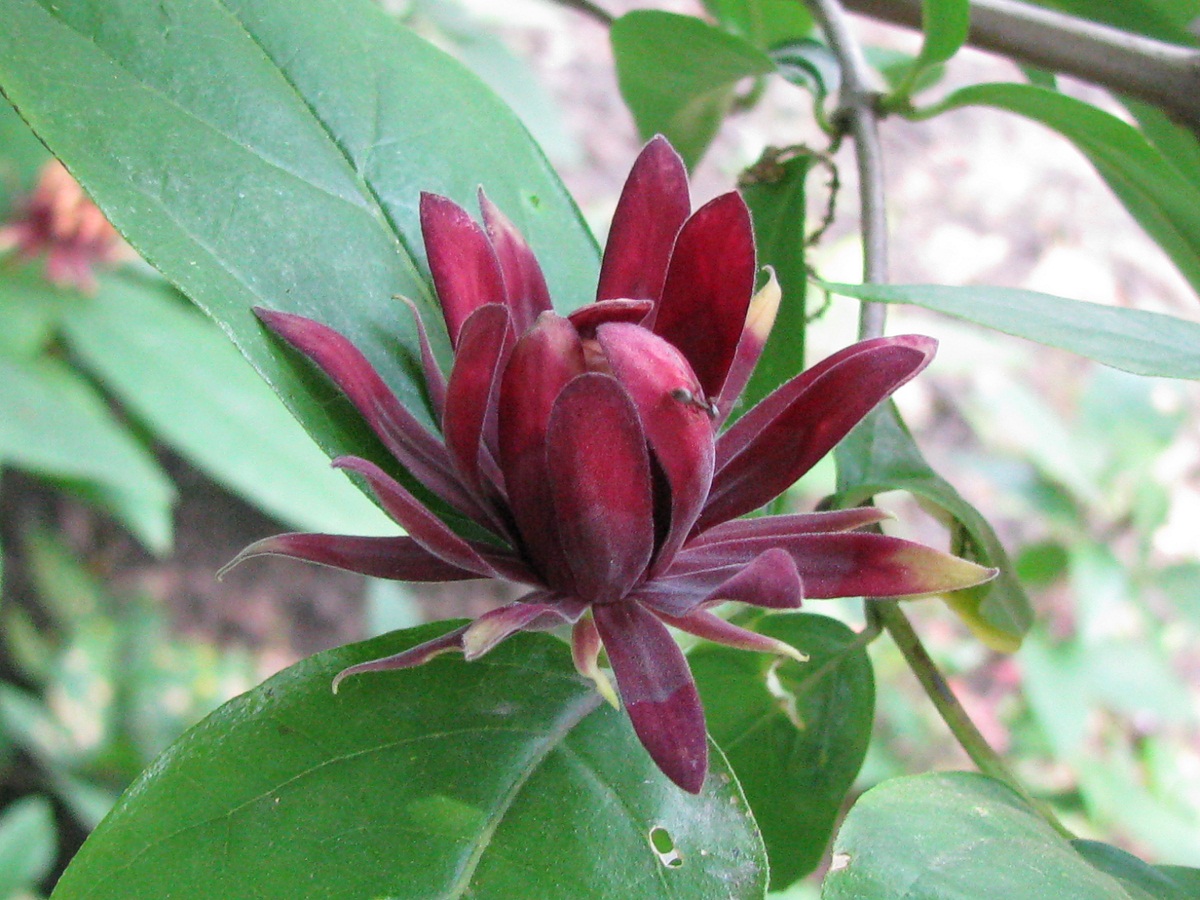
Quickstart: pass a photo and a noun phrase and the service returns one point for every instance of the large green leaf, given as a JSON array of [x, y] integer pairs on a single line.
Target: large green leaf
[[945, 25], [775, 192], [880, 455], [765, 23], [1141, 881], [1135, 340], [52, 423], [795, 734], [1165, 203], [27, 845], [21, 155], [505, 777], [677, 75], [265, 152], [161, 359], [954, 835]]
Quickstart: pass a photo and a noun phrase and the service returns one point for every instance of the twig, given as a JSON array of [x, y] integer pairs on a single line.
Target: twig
[[1166, 75]]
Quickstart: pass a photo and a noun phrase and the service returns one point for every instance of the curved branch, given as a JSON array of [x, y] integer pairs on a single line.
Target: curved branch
[[1166, 75]]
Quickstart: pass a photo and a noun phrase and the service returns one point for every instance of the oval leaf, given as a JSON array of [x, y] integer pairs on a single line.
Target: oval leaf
[[794, 733], [269, 153], [1135, 340], [953, 835], [505, 777]]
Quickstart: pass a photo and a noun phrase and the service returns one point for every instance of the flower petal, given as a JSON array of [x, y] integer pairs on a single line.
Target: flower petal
[[658, 690], [409, 441], [711, 627], [708, 289], [435, 380], [653, 206], [585, 651], [532, 613], [462, 262], [423, 526], [656, 376], [846, 564], [792, 524], [408, 659], [769, 579], [524, 285], [599, 474], [760, 318], [543, 361], [397, 558], [588, 318], [483, 347], [780, 439]]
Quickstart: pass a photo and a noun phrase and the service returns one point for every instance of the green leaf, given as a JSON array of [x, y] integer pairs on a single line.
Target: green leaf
[[775, 193], [52, 423], [678, 73], [21, 155], [1167, 20], [1135, 340], [765, 23], [808, 64], [1164, 202], [945, 24], [880, 455], [160, 358], [1178, 145], [263, 152], [30, 307], [953, 835], [795, 734], [505, 777], [1141, 881], [27, 844]]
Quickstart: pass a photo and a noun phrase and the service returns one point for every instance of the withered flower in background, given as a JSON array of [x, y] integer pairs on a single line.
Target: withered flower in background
[[591, 448]]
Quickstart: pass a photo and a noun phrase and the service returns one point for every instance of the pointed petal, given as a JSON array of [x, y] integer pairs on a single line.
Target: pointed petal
[[780, 439], [787, 525], [435, 380], [711, 627], [680, 433], [524, 285], [397, 558], [585, 651], [708, 289], [423, 526], [658, 690], [599, 474], [408, 659], [541, 365], [652, 208], [409, 441], [588, 318], [770, 580], [483, 347], [462, 262], [760, 318], [845, 564], [528, 614]]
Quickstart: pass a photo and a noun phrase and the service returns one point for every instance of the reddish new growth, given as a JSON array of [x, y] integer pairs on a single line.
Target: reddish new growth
[[59, 220], [591, 448]]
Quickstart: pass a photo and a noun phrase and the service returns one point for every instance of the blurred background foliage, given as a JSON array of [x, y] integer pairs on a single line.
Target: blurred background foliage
[[1090, 476]]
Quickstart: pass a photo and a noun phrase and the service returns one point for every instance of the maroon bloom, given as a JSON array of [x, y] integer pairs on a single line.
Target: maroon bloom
[[590, 447]]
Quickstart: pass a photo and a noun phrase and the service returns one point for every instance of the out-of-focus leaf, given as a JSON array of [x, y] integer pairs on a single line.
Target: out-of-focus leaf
[[180, 376], [1166, 204], [897, 69], [775, 193], [52, 423], [21, 155], [65, 589], [1140, 880], [30, 307], [945, 25], [880, 455], [27, 844], [794, 733], [1054, 677], [953, 835], [263, 152], [1135, 340], [499, 778], [1167, 20], [808, 64], [765, 23], [678, 73]]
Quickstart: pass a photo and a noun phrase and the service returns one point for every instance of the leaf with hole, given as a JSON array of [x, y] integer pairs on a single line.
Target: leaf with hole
[[504, 777], [794, 733]]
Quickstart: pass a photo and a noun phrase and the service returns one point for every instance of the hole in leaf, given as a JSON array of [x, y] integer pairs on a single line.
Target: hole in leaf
[[663, 846]]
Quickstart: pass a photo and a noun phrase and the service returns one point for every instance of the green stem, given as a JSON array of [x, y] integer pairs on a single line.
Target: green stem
[[986, 759]]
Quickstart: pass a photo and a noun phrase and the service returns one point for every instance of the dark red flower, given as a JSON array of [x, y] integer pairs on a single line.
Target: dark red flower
[[590, 447], [60, 220]]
